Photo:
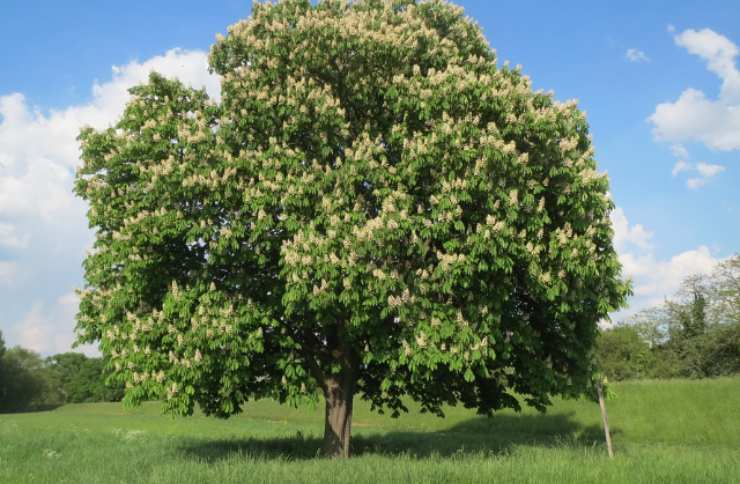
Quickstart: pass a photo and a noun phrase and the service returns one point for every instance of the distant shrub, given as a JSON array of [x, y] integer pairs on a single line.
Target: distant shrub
[[22, 381], [622, 354], [719, 350], [77, 378]]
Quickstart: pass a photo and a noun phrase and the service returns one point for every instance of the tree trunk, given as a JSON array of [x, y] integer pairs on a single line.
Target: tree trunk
[[338, 393]]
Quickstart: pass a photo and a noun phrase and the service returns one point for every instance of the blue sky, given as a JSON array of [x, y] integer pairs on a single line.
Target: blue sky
[[660, 82]]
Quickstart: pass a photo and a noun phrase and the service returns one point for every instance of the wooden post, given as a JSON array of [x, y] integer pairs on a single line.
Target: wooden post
[[605, 419]]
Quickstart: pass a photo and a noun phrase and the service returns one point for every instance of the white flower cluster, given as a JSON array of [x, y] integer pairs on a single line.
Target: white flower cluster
[[492, 223], [212, 181], [447, 260], [568, 144], [589, 174], [404, 298]]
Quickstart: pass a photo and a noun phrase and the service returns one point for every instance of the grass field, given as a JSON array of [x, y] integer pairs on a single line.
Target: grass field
[[664, 431]]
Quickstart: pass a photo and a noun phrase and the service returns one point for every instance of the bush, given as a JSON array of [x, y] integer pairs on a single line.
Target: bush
[[77, 378], [622, 354], [720, 350], [22, 380]]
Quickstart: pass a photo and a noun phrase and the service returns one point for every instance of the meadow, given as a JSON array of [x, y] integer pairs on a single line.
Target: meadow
[[664, 431]]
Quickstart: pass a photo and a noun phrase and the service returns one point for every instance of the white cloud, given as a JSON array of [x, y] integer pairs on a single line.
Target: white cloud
[[636, 55], [39, 187], [9, 237], [696, 183], [625, 235], [36, 178], [679, 151], [679, 167], [693, 116], [30, 332], [653, 279], [707, 171], [39, 213], [69, 300], [49, 331], [719, 52], [8, 272]]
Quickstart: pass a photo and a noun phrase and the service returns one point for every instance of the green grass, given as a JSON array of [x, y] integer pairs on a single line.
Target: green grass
[[664, 431]]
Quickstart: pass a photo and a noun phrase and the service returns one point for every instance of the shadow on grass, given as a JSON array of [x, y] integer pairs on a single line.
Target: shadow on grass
[[481, 435], [45, 407]]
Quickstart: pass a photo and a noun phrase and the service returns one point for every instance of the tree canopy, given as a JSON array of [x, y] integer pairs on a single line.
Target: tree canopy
[[373, 206], [76, 378], [22, 381], [3, 376], [621, 354]]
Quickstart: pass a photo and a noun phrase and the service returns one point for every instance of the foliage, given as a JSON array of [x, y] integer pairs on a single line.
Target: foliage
[[374, 206], [723, 286], [22, 380], [3, 376], [689, 312], [75, 378], [622, 354], [721, 350]]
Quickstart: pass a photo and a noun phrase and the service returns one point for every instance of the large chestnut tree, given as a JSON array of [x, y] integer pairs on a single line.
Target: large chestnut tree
[[373, 208]]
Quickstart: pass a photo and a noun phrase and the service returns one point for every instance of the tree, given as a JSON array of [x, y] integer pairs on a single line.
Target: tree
[[622, 354], [77, 378], [690, 309], [724, 292], [721, 350], [3, 376], [373, 207], [23, 382]]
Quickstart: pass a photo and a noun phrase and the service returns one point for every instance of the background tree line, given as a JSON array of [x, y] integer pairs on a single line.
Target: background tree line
[[30, 382], [695, 334]]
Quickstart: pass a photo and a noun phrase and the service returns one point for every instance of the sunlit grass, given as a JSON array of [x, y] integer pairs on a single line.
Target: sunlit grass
[[674, 431]]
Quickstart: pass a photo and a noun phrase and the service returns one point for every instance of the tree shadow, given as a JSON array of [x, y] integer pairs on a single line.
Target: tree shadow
[[41, 407], [481, 435]]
